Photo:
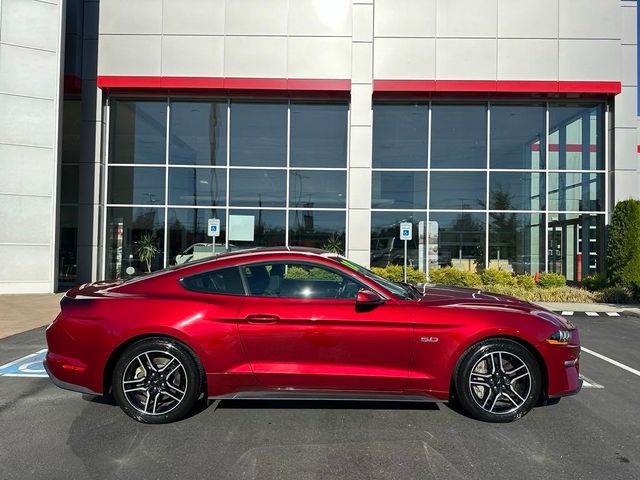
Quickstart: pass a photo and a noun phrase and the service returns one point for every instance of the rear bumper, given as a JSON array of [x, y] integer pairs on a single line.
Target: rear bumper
[[66, 385]]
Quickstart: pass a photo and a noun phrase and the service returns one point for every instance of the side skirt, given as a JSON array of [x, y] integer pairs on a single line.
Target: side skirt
[[326, 395]]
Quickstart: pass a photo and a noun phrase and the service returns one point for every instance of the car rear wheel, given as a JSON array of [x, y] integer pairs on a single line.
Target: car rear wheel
[[498, 380], [156, 380]]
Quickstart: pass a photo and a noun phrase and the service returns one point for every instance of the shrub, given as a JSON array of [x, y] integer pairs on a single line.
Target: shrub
[[623, 247], [297, 272], [453, 276], [615, 295], [395, 273], [595, 282], [525, 281], [492, 276], [557, 294], [551, 280]]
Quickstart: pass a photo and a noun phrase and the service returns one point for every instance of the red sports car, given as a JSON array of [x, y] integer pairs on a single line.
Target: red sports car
[[302, 323]]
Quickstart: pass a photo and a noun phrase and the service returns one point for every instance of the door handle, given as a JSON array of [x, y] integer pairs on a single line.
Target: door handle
[[260, 318]]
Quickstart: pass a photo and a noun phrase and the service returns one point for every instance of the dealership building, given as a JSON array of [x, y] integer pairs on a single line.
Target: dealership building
[[503, 131]]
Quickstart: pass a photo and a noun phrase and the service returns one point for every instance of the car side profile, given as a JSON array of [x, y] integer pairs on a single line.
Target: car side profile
[[302, 323]]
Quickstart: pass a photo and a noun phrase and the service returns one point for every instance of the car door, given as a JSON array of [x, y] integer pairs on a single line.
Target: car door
[[300, 328]]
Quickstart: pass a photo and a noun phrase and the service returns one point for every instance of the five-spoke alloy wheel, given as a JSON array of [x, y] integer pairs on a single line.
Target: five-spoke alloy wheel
[[156, 381], [498, 380]]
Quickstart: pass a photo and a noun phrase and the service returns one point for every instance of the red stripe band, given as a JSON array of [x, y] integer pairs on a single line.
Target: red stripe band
[[223, 83], [506, 86]]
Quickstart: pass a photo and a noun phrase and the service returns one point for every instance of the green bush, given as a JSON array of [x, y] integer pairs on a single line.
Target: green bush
[[453, 276], [615, 295], [623, 247], [525, 281], [395, 273], [595, 282], [296, 272], [551, 280], [557, 294], [492, 276]]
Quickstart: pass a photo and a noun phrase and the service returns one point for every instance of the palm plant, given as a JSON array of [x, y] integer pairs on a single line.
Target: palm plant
[[146, 249], [333, 244]]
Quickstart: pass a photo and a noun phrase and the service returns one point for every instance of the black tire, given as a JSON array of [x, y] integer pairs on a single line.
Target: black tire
[[164, 392], [493, 394]]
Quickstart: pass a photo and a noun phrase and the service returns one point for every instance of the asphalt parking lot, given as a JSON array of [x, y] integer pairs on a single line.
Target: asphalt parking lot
[[48, 433]]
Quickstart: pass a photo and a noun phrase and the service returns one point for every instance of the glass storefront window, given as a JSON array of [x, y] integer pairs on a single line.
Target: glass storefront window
[[69, 183], [319, 135], [127, 228], [136, 185], [400, 136], [576, 137], [576, 246], [257, 188], [318, 229], [516, 191], [399, 190], [576, 191], [68, 245], [459, 136], [187, 235], [197, 186], [258, 134], [317, 188], [386, 246], [198, 133], [138, 132], [457, 239], [269, 228], [71, 128], [458, 190], [518, 136], [516, 242]]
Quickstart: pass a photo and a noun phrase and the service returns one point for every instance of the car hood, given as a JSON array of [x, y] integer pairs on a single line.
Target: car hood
[[441, 295]]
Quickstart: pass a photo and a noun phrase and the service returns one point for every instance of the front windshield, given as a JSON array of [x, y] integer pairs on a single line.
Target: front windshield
[[405, 292]]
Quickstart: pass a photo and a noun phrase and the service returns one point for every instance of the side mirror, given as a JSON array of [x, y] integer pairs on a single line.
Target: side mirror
[[367, 299]]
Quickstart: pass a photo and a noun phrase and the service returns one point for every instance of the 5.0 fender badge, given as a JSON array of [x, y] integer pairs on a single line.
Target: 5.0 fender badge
[[429, 339]]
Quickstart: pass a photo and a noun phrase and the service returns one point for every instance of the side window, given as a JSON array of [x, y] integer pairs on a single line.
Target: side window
[[226, 281], [299, 280]]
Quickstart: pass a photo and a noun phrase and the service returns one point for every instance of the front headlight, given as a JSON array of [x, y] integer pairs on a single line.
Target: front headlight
[[560, 337]]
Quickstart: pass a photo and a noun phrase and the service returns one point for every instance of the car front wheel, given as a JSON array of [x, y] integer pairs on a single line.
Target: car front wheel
[[156, 380], [498, 380]]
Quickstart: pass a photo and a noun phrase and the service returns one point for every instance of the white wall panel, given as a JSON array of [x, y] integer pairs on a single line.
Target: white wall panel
[[465, 59], [361, 113], [40, 17], [625, 185], [466, 18], [129, 55], [25, 263], [200, 56], [360, 150], [255, 57], [527, 59], [626, 149], [629, 65], [405, 18], [28, 71], [589, 60], [20, 228], [256, 17], [133, 17], [361, 62], [31, 170], [521, 19], [193, 17], [362, 23], [360, 188], [359, 229], [404, 58], [26, 121], [320, 17], [589, 19], [319, 57], [629, 22]]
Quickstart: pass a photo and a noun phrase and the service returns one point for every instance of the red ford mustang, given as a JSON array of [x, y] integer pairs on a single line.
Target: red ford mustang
[[302, 323]]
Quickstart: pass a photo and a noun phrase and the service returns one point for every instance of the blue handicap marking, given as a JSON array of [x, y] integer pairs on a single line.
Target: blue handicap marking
[[28, 366]]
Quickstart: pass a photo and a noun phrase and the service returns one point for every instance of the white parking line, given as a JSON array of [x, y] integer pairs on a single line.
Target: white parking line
[[567, 314], [613, 314], [588, 383], [591, 314], [612, 361]]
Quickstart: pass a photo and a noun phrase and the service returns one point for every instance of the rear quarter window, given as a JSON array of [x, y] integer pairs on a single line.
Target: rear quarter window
[[225, 281]]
